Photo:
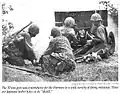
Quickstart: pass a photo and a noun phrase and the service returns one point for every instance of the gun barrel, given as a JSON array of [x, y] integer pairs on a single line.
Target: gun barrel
[[22, 29]]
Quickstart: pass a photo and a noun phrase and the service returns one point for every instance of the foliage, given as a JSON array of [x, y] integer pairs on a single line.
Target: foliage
[[7, 26], [111, 9], [6, 8]]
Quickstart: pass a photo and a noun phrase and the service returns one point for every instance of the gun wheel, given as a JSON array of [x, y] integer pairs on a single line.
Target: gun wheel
[[111, 42]]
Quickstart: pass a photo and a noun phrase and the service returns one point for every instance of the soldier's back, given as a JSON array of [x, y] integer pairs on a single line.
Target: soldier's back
[[62, 45]]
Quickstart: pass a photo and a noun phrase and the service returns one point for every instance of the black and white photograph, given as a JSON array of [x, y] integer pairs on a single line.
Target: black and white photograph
[[79, 45], [59, 41]]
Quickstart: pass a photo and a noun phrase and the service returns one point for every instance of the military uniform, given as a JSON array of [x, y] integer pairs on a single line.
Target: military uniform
[[25, 46], [59, 55], [98, 38], [99, 33], [98, 30], [68, 31], [21, 47]]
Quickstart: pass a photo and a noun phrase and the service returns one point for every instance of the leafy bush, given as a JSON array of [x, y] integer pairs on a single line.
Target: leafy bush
[[111, 9], [7, 26]]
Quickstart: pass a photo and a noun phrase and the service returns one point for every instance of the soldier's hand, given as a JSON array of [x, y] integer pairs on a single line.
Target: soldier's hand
[[35, 62], [89, 42]]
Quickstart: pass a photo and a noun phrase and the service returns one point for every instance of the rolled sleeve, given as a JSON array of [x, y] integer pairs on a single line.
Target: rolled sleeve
[[50, 48], [101, 34]]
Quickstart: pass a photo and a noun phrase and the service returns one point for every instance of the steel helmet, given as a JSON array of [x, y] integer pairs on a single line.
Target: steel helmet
[[69, 22], [96, 17], [33, 29]]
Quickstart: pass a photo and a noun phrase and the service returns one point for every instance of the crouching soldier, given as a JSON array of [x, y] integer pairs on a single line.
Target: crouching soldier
[[21, 49], [23, 43], [58, 57]]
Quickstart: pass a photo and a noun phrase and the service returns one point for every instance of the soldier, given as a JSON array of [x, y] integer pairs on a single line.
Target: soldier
[[20, 48], [98, 29], [25, 46], [58, 57], [98, 35], [68, 30]]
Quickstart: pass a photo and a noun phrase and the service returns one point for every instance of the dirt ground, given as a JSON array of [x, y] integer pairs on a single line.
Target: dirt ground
[[105, 70]]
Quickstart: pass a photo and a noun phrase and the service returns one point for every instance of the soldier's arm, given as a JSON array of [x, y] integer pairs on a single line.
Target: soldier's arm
[[101, 34], [50, 48], [27, 37], [74, 39], [72, 32], [28, 46]]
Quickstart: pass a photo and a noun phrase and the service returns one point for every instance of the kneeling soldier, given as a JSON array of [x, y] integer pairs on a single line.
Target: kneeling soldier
[[58, 57]]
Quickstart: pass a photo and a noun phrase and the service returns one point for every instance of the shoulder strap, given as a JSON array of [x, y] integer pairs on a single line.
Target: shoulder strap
[[106, 34]]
